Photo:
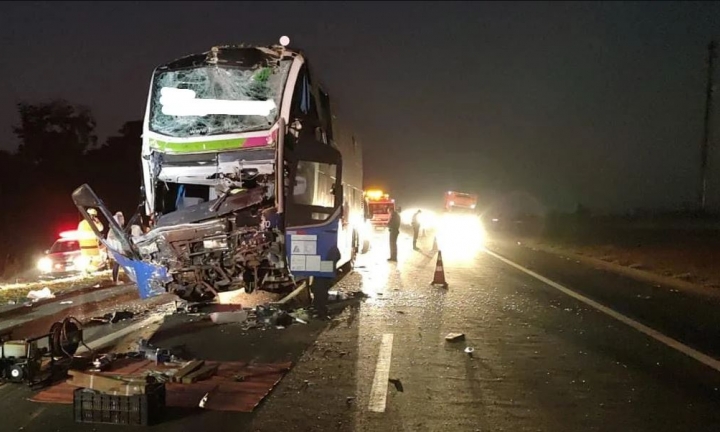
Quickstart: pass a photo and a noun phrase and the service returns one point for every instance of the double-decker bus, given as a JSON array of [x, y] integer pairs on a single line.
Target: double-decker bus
[[248, 178]]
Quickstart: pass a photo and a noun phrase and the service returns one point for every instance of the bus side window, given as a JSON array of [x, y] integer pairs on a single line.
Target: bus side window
[[314, 186], [304, 105], [326, 113]]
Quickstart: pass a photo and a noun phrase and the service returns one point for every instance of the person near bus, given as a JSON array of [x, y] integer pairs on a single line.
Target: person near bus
[[115, 243], [394, 227], [416, 228], [89, 244]]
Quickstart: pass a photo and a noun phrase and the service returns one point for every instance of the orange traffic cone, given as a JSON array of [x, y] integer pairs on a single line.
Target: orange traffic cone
[[439, 278]]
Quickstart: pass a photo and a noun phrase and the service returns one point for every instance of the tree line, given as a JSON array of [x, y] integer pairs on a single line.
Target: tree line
[[58, 151]]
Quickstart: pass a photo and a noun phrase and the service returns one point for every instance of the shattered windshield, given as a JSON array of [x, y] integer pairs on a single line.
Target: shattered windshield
[[213, 100]]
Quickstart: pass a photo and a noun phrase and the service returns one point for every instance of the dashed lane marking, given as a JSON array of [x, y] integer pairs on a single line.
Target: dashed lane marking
[[672, 343], [378, 392]]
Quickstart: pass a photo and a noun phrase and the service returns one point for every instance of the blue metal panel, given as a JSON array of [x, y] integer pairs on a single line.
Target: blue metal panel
[[313, 251], [148, 277]]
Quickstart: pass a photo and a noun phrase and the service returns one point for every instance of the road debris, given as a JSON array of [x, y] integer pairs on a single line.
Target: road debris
[[103, 362], [42, 294], [469, 351], [337, 296], [155, 354], [455, 337], [237, 317], [397, 383], [113, 317]]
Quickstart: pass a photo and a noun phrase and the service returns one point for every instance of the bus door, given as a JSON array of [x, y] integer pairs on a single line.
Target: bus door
[[313, 209], [148, 277]]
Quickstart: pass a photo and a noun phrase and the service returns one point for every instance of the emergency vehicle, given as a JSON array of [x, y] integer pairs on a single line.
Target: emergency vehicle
[[65, 259], [460, 201], [378, 206]]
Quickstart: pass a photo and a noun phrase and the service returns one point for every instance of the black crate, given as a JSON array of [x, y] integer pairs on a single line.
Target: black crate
[[91, 406]]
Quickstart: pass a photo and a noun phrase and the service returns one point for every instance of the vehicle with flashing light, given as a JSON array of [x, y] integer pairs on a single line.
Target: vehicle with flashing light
[[64, 258], [460, 202], [249, 179], [378, 206]]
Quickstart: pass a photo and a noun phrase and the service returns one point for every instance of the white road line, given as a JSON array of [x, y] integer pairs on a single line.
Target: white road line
[[112, 337], [378, 392], [672, 343]]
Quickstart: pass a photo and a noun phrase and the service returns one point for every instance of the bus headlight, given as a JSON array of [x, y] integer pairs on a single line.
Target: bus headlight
[[44, 264]]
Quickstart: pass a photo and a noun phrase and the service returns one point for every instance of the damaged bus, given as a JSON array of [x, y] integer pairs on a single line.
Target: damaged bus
[[249, 181]]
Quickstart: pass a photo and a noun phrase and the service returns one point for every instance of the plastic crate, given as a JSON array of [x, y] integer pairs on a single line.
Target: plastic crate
[[91, 406]]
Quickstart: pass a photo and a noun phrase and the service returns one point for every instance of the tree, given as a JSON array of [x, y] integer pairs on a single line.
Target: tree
[[54, 135], [115, 170]]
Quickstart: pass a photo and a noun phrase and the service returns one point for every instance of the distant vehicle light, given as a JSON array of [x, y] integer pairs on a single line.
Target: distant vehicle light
[[374, 194], [69, 235], [44, 264]]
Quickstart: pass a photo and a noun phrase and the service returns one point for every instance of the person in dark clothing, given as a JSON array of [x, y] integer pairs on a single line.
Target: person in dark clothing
[[394, 227], [416, 228]]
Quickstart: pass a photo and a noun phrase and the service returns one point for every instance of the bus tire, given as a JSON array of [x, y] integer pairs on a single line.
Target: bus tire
[[365, 246]]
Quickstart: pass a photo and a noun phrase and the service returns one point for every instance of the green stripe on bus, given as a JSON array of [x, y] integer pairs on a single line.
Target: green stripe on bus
[[197, 146]]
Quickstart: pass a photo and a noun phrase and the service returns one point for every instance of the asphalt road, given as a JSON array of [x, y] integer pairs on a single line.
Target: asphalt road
[[543, 360]]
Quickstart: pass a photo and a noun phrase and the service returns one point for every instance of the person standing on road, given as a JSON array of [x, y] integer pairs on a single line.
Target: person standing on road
[[114, 242], [394, 227], [416, 228], [89, 244]]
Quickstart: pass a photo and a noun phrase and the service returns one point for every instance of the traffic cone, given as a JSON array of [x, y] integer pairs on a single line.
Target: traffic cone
[[435, 245], [439, 278]]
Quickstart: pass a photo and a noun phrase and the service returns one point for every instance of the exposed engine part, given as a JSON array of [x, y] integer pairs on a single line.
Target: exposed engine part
[[224, 244]]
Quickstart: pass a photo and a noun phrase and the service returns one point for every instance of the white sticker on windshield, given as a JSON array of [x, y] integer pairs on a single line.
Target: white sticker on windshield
[[183, 102]]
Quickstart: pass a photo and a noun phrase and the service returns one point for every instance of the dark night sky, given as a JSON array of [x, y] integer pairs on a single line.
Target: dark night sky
[[594, 102]]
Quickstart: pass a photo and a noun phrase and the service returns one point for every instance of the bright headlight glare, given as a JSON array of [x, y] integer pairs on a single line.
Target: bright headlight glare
[[44, 264], [81, 262]]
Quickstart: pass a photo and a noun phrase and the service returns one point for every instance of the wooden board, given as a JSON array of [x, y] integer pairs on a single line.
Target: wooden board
[[204, 372], [225, 393], [190, 367]]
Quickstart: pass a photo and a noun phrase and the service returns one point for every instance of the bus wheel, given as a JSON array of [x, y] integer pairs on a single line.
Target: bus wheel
[[365, 246]]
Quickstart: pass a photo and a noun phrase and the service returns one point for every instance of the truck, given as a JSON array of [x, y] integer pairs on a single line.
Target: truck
[[250, 181], [378, 206], [460, 202]]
